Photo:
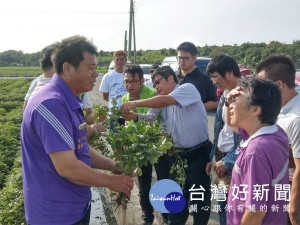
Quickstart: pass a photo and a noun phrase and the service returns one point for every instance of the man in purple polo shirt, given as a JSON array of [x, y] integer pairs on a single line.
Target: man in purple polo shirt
[[56, 157], [259, 189]]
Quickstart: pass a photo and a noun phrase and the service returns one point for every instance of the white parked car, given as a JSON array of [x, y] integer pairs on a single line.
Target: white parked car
[[201, 63], [147, 76], [112, 65]]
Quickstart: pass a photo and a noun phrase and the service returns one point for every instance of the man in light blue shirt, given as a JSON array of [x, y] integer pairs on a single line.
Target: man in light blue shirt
[[185, 118]]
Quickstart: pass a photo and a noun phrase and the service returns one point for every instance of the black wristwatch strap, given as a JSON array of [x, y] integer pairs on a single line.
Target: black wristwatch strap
[[226, 103]]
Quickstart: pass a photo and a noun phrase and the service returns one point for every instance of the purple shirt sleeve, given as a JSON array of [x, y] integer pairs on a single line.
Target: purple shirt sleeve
[[54, 126]]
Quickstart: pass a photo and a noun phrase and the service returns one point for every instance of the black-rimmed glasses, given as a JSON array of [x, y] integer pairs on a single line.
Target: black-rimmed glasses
[[132, 82]]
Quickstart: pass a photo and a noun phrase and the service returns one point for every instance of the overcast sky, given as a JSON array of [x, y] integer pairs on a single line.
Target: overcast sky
[[30, 25]]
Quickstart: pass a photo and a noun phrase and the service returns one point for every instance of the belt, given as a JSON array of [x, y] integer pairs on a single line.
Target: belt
[[201, 149]]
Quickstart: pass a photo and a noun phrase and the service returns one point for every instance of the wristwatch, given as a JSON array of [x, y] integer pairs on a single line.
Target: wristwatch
[[226, 103]]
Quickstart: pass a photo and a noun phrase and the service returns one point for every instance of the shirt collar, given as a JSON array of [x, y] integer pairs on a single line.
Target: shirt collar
[[138, 98], [292, 103], [264, 130], [177, 86], [188, 74], [71, 98]]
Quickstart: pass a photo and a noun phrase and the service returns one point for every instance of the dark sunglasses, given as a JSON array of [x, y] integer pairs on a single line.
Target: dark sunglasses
[[155, 83]]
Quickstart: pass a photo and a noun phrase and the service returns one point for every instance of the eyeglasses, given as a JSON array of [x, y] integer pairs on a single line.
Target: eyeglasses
[[183, 58], [213, 79], [132, 82], [155, 83]]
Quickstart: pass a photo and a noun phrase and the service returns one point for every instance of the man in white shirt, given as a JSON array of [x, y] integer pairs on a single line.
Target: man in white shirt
[[224, 70], [112, 85], [281, 70], [48, 70]]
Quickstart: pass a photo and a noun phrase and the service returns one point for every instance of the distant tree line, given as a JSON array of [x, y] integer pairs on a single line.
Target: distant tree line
[[247, 53], [18, 58]]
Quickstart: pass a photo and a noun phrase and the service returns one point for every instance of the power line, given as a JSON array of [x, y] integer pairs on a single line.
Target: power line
[[53, 12]]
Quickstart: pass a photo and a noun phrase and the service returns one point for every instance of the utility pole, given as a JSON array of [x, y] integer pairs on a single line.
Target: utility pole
[[130, 29], [125, 42], [134, 46]]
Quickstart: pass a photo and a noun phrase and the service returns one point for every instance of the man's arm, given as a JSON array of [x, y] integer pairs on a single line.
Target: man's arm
[[92, 129], [228, 101], [295, 195], [212, 99], [253, 218], [211, 105], [105, 96], [29, 92], [227, 163], [89, 118], [150, 116], [219, 168], [130, 116], [154, 102], [101, 162], [230, 158], [69, 167], [87, 106]]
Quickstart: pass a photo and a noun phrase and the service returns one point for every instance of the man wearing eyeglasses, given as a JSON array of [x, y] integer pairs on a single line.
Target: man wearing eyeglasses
[[185, 118], [281, 69], [189, 73], [133, 82], [225, 71]]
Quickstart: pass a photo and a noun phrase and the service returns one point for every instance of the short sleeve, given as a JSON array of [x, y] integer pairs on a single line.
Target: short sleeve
[[294, 136], [211, 91], [86, 101], [31, 88], [104, 85], [151, 115], [53, 125], [186, 95]]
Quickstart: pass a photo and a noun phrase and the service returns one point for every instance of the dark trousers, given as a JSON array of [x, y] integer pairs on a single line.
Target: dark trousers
[[222, 213], [162, 171], [195, 175]]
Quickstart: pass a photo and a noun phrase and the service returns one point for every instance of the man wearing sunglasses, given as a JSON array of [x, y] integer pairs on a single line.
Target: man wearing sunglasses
[[134, 84], [185, 118]]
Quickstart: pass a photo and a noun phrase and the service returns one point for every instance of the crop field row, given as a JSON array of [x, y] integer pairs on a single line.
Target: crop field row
[[12, 92], [27, 71]]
